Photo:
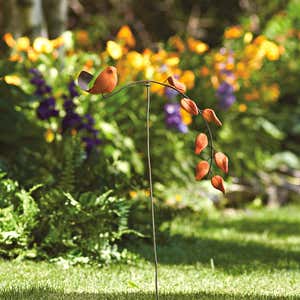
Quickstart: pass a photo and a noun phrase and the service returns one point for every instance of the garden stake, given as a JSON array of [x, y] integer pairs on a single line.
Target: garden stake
[[203, 168], [151, 190]]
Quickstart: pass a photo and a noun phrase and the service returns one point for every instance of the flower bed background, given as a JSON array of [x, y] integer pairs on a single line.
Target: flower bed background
[[73, 167]]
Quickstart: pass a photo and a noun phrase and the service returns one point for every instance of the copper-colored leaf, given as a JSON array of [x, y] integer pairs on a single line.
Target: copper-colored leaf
[[217, 183], [104, 83], [202, 168], [201, 142], [189, 106], [210, 116], [177, 84], [221, 161]]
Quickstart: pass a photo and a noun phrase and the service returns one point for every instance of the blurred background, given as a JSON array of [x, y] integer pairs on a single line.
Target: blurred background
[[73, 164]]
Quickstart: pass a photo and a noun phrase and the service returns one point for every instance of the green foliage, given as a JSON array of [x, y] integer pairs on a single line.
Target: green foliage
[[85, 226], [18, 217], [54, 223]]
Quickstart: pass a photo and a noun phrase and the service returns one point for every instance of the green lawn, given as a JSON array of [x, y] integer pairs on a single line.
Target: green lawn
[[246, 255]]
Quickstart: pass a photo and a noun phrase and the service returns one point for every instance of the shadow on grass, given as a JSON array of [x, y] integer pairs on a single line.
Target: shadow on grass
[[230, 256], [44, 293], [234, 256], [274, 227]]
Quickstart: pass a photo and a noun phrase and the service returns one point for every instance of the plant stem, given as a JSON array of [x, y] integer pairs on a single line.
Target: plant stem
[[151, 190]]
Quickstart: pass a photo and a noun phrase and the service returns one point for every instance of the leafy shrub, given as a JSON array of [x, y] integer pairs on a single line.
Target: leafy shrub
[[85, 226], [53, 223], [18, 218]]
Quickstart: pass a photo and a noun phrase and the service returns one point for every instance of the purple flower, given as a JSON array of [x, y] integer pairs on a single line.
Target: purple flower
[[172, 108], [69, 105], [35, 72], [90, 143], [173, 117], [226, 101], [226, 95], [182, 128], [47, 109], [90, 119], [37, 81], [73, 90], [71, 121], [170, 93], [224, 89]]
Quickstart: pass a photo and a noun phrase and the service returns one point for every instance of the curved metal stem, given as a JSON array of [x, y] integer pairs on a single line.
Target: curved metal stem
[[147, 84]]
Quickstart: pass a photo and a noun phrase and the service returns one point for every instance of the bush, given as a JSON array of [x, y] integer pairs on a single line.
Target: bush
[[54, 223]]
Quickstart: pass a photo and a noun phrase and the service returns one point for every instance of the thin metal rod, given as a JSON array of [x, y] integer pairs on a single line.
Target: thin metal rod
[[151, 191], [145, 82]]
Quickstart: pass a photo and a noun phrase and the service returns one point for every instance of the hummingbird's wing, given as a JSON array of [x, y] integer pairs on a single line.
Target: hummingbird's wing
[[84, 79]]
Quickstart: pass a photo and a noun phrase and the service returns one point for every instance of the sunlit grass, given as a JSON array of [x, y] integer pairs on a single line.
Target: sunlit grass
[[248, 255]]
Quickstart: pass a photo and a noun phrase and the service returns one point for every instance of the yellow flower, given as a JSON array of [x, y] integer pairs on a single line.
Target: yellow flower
[[248, 37], [114, 49], [274, 92], [271, 50], [9, 40], [258, 41], [125, 34], [188, 78], [215, 81], [229, 66], [156, 88], [15, 57], [133, 194], [160, 56], [147, 193], [136, 60], [149, 72], [32, 55], [250, 51], [172, 61], [197, 46], [42, 45], [218, 57], [12, 79], [185, 116], [178, 198], [177, 43], [271, 93], [243, 107], [23, 43], [58, 42], [49, 136], [233, 32]]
